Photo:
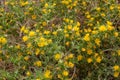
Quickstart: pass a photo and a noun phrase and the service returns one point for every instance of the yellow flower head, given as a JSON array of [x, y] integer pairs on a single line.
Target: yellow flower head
[[65, 73], [70, 64], [102, 28], [116, 74], [70, 55], [87, 37], [47, 74], [25, 38], [98, 59], [79, 57], [3, 40], [89, 60], [57, 56], [38, 63], [28, 73], [31, 33], [116, 67]]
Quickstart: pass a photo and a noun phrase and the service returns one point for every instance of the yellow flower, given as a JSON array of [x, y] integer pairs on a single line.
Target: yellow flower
[[70, 64], [18, 46], [109, 23], [29, 45], [98, 9], [78, 24], [67, 43], [46, 32], [98, 59], [118, 51], [57, 56], [47, 74], [89, 60], [116, 67], [79, 57], [54, 33], [1, 27], [38, 79], [70, 55], [65, 73], [69, 27], [3, 40], [28, 73], [102, 14], [75, 28], [26, 58], [38, 63], [31, 33], [46, 5], [26, 31], [25, 38], [89, 51], [102, 28], [87, 37], [44, 23], [88, 16], [83, 49], [116, 74], [116, 34], [97, 41], [59, 76], [111, 7], [110, 27], [33, 17]]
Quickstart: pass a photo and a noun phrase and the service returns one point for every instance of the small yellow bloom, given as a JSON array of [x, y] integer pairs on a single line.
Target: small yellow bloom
[[44, 23], [26, 58], [118, 51], [109, 23], [3, 40], [102, 28], [98, 8], [116, 67], [59, 76], [88, 16], [116, 74], [83, 49], [116, 34], [31, 33], [89, 60], [69, 27], [89, 51], [47, 74], [70, 64], [33, 17], [28, 73], [79, 57], [78, 24], [70, 55], [98, 59], [38, 79], [46, 5], [97, 41], [25, 38], [87, 37], [67, 43], [54, 33], [57, 56], [38, 63], [65, 73]]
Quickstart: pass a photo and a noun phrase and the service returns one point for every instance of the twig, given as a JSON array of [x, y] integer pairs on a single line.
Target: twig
[[73, 73], [109, 50]]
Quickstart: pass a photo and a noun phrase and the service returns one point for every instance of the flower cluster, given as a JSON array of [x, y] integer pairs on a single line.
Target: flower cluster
[[60, 40]]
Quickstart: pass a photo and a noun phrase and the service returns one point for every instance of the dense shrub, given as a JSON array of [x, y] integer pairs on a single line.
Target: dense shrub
[[59, 40]]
